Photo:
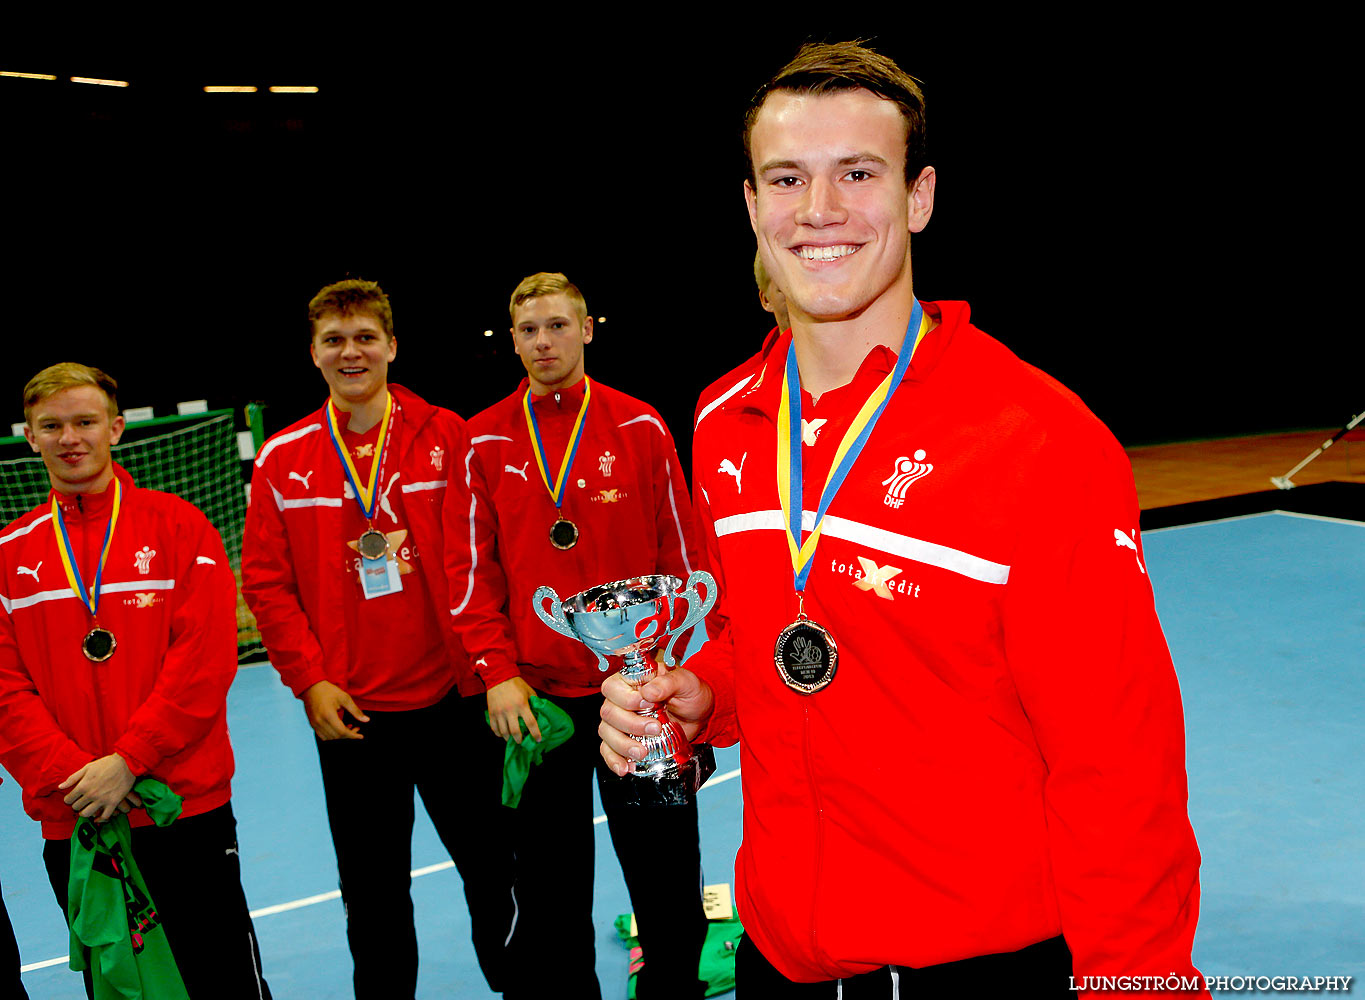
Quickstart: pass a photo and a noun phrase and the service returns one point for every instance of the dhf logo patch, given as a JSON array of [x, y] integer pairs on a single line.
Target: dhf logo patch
[[906, 472]]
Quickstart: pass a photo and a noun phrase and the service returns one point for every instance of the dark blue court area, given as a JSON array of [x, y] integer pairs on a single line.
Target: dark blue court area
[[1265, 619]]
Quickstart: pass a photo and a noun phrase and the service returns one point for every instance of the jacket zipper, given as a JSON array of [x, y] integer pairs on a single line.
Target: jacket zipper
[[819, 835], [96, 674]]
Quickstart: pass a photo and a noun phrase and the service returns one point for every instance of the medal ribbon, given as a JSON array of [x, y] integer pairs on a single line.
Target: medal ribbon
[[91, 598], [364, 495], [789, 481], [538, 447]]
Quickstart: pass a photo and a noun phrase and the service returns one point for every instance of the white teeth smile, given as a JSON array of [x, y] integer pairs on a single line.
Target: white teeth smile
[[826, 253]]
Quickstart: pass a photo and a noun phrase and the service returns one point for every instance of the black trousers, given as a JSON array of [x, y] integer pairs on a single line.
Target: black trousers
[[554, 943], [1040, 970], [450, 756], [193, 875], [11, 985]]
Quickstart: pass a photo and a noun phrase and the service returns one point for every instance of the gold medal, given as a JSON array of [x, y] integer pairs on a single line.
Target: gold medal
[[563, 534], [98, 645], [806, 656], [372, 544]]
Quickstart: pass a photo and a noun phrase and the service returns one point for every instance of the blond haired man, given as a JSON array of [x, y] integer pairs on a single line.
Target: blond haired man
[[585, 488], [118, 642]]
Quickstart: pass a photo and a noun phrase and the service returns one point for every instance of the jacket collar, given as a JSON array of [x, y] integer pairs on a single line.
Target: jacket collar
[[764, 394], [94, 504], [570, 399]]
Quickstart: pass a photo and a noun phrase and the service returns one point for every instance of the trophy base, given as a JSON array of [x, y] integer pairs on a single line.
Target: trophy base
[[673, 785]]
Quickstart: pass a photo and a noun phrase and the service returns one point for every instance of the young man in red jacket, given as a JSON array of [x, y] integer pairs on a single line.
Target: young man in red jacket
[[963, 744], [118, 643], [342, 566], [583, 488]]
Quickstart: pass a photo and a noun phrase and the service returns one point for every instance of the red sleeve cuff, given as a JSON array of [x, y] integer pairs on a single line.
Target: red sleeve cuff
[[495, 668], [139, 756], [721, 727]]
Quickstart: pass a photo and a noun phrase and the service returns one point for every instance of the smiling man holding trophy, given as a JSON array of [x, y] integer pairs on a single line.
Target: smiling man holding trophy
[[576, 486]]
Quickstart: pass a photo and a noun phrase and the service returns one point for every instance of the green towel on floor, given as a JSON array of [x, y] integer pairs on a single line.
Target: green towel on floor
[[717, 966], [555, 728], [115, 929]]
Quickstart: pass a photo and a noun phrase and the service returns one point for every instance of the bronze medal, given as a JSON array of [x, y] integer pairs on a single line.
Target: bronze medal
[[563, 534], [98, 644], [373, 544], [806, 656]]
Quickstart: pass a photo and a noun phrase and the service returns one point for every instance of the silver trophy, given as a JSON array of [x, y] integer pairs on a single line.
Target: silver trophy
[[629, 618]]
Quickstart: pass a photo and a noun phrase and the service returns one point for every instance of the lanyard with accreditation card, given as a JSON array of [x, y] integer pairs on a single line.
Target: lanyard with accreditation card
[[806, 654], [99, 643], [378, 565]]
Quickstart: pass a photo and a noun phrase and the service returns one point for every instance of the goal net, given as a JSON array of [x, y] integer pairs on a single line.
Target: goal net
[[195, 457]]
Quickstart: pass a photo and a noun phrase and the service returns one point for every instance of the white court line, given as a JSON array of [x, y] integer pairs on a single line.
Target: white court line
[[1320, 517], [326, 897], [1216, 520], [1248, 517]]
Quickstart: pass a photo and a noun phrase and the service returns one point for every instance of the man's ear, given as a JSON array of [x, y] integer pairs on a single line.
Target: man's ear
[[751, 202], [921, 199]]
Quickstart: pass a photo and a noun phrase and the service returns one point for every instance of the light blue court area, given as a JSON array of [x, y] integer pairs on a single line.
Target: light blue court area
[[1265, 617], [289, 869], [1266, 620]]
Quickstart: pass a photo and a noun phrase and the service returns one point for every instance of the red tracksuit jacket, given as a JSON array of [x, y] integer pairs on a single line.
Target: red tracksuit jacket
[[299, 577], [627, 495], [1000, 756], [161, 700]]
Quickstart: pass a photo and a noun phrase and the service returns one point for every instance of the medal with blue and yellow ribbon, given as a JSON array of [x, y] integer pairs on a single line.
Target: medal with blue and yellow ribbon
[[563, 533], [372, 544], [99, 643], [806, 654]]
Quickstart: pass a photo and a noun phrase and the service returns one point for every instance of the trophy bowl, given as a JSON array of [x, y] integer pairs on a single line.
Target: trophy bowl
[[630, 618]]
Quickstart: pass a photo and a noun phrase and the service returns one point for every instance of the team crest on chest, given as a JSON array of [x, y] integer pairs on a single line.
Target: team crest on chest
[[604, 462], [907, 470], [438, 456], [142, 559]]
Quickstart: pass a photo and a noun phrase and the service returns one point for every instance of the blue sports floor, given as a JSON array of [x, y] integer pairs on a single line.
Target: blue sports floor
[[1266, 622]]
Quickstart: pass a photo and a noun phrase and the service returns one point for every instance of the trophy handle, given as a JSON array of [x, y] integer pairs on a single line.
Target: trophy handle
[[554, 618], [696, 610]]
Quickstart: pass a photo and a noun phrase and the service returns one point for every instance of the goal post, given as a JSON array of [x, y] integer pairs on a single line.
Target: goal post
[[195, 456]]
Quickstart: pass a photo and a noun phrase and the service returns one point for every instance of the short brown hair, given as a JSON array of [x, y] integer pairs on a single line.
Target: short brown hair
[[829, 67], [351, 296], [68, 375], [547, 283]]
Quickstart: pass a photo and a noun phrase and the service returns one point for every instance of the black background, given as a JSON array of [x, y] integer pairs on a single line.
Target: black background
[[1163, 217]]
